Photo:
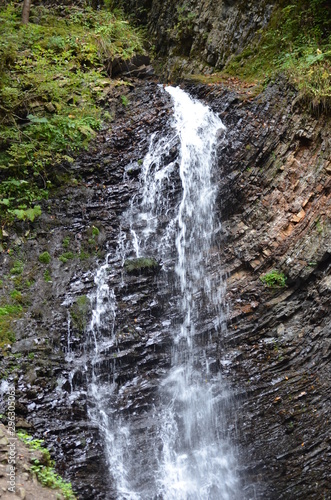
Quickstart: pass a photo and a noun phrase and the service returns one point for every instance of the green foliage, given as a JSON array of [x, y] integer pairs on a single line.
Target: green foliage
[[47, 276], [7, 310], [66, 256], [95, 231], [66, 242], [125, 100], [44, 470], [44, 258], [297, 41], [8, 313], [35, 444], [24, 213], [16, 295], [274, 279], [17, 267], [79, 312], [141, 265], [52, 83], [185, 21]]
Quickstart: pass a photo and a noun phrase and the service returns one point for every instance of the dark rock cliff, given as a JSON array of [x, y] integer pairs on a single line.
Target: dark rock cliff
[[275, 197], [199, 36], [274, 203]]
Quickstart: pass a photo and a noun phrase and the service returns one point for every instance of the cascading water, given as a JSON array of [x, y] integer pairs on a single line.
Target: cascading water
[[189, 456]]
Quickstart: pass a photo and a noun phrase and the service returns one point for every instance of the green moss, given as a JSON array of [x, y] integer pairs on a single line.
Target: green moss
[[47, 276], [16, 295], [79, 312], [66, 242], [44, 258], [66, 256], [95, 231], [141, 265], [17, 267]]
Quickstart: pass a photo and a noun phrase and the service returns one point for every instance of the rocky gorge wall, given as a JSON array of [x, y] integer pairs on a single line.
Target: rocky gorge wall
[[199, 36], [274, 207], [275, 194], [274, 204]]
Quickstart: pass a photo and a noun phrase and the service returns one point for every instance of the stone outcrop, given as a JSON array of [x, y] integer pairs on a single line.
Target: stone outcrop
[[275, 205], [199, 36], [274, 208]]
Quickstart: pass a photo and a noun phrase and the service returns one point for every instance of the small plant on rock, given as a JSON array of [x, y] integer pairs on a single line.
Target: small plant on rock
[[44, 468], [44, 258], [66, 256], [274, 279]]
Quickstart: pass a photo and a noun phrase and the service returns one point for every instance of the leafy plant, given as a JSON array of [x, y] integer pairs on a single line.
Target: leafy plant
[[141, 265], [185, 21], [125, 100], [52, 84], [45, 471], [274, 279]]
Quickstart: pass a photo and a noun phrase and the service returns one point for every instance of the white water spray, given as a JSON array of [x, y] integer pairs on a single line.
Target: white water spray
[[189, 455]]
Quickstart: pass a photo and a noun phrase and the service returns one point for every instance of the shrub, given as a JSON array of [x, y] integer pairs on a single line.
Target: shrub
[[274, 279]]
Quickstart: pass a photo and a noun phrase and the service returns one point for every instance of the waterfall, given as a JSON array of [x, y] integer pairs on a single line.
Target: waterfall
[[187, 453]]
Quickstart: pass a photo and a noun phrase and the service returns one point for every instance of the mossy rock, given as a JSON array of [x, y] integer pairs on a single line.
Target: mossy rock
[[80, 312], [142, 265]]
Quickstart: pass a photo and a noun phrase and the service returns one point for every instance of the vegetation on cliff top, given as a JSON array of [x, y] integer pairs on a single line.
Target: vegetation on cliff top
[[52, 86], [297, 42]]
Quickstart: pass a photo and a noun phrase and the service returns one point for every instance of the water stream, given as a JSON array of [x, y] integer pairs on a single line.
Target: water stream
[[188, 455]]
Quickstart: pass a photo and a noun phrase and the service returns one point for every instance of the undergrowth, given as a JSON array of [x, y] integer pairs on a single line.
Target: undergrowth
[[44, 468], [52, 86], [297, 42]]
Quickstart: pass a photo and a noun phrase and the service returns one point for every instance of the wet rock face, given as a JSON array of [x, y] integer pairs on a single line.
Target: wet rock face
[[78, 227], [275, 205], [274, 211], [200, 34]]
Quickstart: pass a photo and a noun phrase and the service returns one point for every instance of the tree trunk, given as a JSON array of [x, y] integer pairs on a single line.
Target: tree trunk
[[26, 11]]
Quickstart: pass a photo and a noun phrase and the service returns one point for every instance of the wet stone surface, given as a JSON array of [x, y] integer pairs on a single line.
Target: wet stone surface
[[274, 212]]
